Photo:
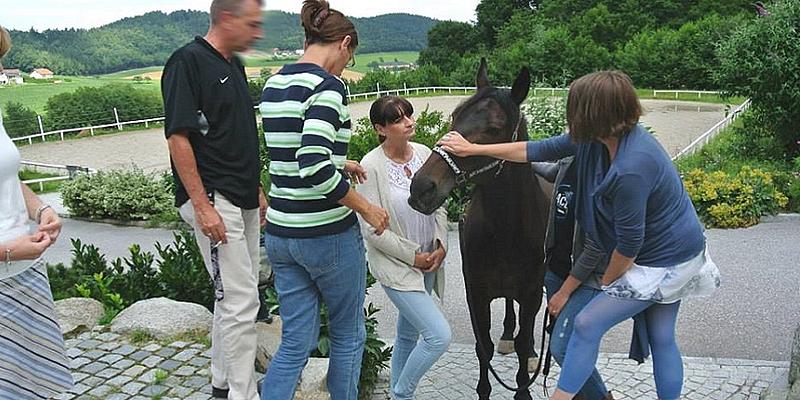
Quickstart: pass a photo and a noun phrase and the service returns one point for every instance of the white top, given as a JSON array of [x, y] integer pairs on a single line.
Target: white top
[[13, 214], [418, 227], [391, 254]]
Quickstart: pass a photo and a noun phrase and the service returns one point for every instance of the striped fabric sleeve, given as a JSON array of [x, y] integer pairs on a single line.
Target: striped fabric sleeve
[[325, 111]]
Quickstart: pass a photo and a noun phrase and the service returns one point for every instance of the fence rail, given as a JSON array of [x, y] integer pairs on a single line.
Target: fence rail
[[699, 93], [703, 139], [461, 90], [66, 171]]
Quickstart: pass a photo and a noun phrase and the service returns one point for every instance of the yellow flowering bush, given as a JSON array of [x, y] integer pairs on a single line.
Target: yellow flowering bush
[[733, 201]]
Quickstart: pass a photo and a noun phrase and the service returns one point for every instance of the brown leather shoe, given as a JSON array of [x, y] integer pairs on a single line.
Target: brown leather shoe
[[609, 396]]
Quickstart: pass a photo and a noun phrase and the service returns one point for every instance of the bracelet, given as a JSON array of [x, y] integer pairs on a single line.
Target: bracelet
[[39, 212]]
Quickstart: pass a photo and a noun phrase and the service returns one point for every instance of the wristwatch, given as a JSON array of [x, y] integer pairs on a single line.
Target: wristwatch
[[8, 256]]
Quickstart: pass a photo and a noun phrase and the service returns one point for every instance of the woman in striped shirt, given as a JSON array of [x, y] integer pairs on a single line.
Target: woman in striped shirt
[[312, 239]]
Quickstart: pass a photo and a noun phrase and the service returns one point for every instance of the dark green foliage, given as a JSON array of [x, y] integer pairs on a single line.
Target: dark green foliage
[[19, 120], [86, 261], [661, 44], [150, 39], [448, 41], [180, 275], [135, 277], [92, 106], [383, 33], [760, 60], [129, 43], [680, 58], [493, 14]]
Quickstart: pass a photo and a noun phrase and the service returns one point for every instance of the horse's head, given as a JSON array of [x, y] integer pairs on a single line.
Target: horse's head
[[492, 115]]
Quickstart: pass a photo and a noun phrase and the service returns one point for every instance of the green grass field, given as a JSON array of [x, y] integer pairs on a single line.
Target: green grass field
[[47, 187], [35, 95]]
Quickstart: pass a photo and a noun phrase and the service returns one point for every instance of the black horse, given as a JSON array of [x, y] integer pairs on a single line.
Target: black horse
[[502, 231]]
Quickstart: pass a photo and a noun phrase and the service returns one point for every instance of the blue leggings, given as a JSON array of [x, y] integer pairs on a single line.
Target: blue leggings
[[605, 311]]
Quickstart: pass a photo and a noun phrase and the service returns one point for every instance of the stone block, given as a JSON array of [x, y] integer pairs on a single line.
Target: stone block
[[794, 363]]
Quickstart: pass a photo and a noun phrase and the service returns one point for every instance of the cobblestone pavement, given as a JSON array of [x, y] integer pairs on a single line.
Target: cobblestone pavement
[[455, 376], [110, 367]]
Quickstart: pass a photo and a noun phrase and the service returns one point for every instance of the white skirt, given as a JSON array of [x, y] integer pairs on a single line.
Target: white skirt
[[697, 277]]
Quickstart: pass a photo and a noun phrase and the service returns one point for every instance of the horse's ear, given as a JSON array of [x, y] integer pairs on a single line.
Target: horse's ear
[[521, 86], [483, 75]]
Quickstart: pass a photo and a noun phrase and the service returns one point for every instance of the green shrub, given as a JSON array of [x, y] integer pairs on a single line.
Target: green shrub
[[19, 120], [130, 195], [181, 275], [547, 116], [733, 201]]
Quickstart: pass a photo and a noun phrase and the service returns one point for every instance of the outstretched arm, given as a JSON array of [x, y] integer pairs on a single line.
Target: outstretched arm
[[455, 144]]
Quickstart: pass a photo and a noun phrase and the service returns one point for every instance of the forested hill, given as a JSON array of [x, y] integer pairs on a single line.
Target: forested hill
[[384, 33], [149, 39]]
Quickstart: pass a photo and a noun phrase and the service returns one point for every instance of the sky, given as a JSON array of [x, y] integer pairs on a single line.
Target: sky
[[58, 14]]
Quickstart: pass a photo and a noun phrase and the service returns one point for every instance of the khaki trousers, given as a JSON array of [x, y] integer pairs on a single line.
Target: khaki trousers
[[233, 336]]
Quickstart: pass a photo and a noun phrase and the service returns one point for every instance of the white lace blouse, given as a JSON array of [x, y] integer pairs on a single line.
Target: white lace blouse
[[418, 227], [13, 214]]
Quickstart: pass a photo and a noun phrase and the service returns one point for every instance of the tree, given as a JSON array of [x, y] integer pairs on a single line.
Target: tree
[[19, 120], [493, 14], [760, 61], [448, 41]]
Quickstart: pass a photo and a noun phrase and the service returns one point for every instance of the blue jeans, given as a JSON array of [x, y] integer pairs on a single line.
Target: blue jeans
[[605, 311], [418, 315], [308, 271], [594, 388]]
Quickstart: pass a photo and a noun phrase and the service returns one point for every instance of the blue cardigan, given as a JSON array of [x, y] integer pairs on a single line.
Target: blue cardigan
[[636, 204]]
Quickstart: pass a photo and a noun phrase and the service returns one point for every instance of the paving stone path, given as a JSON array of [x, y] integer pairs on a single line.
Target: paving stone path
[[111, 367]]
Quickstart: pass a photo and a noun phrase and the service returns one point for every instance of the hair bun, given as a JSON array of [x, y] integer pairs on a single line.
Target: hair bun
[[314, 14], [320, 19]]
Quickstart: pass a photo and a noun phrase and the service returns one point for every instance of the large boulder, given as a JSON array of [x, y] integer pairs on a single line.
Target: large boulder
[[162, 318], [269, 338], [313, 382], [78, 314]]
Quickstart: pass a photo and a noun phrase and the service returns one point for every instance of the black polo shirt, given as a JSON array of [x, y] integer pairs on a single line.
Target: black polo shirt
[[206, 96]]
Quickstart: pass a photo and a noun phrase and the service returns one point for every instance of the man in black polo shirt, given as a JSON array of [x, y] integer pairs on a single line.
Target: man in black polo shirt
[[213, 144]]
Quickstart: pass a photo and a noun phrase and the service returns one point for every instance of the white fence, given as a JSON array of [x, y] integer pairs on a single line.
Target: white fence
[[65, 172], [699, 93], [703, 139], [454, 90]]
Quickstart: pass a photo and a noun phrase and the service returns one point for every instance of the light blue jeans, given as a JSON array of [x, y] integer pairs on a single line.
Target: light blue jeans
[[594, 388], [418, 315], [605, 311], [308, 271]]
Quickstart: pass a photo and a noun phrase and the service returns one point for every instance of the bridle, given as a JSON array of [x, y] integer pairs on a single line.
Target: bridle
[[462, 176]]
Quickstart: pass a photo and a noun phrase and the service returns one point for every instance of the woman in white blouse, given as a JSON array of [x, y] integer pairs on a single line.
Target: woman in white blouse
[[33, 363], [407, 258]]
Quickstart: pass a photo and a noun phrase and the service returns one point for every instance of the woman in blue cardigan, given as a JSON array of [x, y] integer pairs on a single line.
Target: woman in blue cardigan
[[631, 201]]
